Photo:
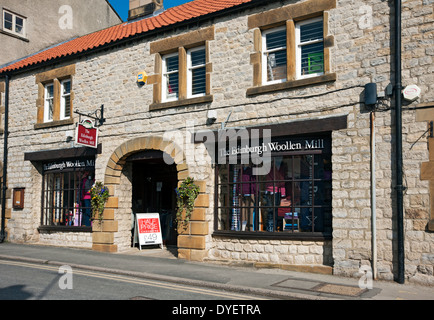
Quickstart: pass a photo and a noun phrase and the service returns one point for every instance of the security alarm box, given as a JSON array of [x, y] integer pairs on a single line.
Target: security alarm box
[[142, 77]]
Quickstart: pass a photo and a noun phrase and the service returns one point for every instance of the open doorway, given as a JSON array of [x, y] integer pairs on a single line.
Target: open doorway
[[154, 184]]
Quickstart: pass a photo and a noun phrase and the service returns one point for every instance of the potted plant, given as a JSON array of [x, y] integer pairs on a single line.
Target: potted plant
[[99, 196], [186, 194]]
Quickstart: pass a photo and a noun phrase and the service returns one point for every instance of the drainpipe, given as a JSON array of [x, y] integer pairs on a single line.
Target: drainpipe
[[398, 153], [5, 160], [373, 199]]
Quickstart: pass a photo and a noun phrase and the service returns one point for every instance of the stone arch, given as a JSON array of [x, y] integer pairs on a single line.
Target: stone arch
[[191, 242]]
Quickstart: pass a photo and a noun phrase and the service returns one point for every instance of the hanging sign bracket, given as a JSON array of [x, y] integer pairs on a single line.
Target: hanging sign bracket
[[97, 115]]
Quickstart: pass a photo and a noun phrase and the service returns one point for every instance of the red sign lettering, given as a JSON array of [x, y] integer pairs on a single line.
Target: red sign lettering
[[149, 225]]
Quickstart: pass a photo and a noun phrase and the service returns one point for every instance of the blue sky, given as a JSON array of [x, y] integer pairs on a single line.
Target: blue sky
[[121, 6]]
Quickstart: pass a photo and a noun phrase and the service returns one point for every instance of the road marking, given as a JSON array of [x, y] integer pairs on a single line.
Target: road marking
[[138, 281]]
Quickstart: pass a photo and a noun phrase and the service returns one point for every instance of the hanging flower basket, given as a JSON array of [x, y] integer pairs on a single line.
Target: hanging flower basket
[[186, 195], [99, 196]]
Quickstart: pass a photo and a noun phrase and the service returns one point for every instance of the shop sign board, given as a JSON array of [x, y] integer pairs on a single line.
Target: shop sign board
[[70, 164], [284, 145], [147, 229], [86, 134]]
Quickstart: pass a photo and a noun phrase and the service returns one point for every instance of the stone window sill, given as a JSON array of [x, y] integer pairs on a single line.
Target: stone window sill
[[296, 236], [54, 124], [180, 103], [291, 84], [17, 36], [64, 229]]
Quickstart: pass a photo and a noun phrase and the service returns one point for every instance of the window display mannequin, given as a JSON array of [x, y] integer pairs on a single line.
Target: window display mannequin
[[275, 190], [247, 191], [86, 185]]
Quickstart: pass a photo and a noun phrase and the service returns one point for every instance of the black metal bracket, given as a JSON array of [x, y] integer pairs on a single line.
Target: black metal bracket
[[97, 115], [431, 129]]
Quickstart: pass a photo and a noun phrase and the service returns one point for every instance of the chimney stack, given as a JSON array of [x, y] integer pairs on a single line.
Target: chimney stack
[[143, 8]]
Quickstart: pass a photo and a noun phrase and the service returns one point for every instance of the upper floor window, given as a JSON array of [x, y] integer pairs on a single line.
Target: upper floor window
[[274, 55], [292, 46], [309, 58], [195, 65], [170, 77], [182, 70], [14, 23], [55, 97], [49, 102], [65, 99], [196, 76], [310, 47], [52, 100]]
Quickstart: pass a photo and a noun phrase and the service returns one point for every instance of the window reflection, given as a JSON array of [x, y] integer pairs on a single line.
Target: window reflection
[[294, 196]]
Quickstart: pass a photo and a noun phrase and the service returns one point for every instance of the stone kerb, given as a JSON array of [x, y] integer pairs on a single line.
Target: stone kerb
[[191, 246]]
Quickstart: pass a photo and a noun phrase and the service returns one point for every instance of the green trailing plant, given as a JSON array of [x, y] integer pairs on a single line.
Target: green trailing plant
[[186, 194], [99, 196]]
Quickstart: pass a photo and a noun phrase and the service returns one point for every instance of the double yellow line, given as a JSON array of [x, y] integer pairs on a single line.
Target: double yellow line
[[138, 281]]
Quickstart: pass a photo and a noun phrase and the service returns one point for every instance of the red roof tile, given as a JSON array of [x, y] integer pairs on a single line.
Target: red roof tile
[[125, 30]]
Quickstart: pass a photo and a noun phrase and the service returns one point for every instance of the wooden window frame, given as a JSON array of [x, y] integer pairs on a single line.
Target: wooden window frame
[[299, 45], [265, 52], [181, 45], [63, 96], [289, 16], [190, 69], [164, 83], [23, 34], [56, 77], [47, 99]]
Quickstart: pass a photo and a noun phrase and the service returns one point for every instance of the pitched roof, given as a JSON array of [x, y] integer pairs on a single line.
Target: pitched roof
[[184, 12]]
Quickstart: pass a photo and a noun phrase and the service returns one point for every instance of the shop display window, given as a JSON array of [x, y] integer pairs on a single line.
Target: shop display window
[[293, 197], [66, 195]]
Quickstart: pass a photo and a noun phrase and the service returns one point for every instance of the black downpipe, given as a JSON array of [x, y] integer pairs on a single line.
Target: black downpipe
[[5, 161], [398, 124]]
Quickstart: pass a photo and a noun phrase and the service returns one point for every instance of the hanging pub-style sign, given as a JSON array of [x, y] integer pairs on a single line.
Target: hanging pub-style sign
[[86, 134]]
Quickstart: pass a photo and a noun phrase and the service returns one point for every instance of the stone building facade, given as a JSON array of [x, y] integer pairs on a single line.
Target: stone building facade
[[328, 107]]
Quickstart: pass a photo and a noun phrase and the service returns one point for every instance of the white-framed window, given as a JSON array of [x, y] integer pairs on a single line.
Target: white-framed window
[[65, 99], [14, 23], [170, 85], [196, 72], [49, 102], [310, 47], [274, 60]]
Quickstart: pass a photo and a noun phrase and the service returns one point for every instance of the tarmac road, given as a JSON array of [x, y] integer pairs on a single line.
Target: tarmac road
[[31, 281], [161, 265]]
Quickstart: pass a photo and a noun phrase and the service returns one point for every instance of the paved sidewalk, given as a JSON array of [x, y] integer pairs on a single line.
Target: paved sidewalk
[[161, 264]]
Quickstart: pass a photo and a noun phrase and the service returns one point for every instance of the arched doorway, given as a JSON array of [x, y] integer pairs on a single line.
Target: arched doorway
[[153, 190], [191, 242]]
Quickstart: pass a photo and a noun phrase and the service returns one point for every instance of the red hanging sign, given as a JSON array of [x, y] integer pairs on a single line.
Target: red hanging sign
[[86, 134]]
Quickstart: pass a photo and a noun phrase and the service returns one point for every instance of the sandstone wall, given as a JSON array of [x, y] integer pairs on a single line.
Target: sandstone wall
[[361, 54]]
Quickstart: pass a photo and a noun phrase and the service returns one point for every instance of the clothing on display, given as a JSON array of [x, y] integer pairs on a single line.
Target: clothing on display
[[293, 196], [66, 199], [87, 184]]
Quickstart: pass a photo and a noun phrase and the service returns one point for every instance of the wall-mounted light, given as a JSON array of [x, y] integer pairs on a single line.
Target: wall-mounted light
[[211, 116], [69, 135], [371, 94]]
